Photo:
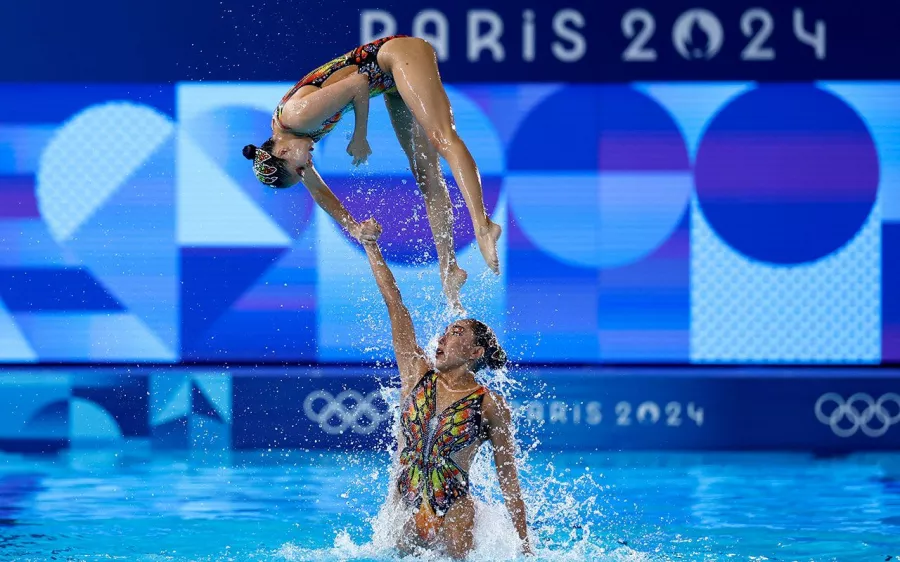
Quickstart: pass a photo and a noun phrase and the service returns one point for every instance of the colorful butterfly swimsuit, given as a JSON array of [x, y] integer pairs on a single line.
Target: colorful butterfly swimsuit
[[428, 472], [365, 58]]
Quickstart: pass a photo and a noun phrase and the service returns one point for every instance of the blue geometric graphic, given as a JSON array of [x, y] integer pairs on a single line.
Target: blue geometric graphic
[[123, 397], [248, 264], [779, 183], [214, 210], [647, 222], [890, 292], [13, 345], [878, 108], [614, 191], [598, 246], [75, 178], [104, 181], [746, 311], [216, 199], [204, 302], [693, 105], [43, 411], [91, 424], [191, 410], [141, 209], [91, 337], [51, 421]]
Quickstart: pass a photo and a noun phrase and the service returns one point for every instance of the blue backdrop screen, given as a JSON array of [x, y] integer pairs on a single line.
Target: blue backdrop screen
[[650, 222]]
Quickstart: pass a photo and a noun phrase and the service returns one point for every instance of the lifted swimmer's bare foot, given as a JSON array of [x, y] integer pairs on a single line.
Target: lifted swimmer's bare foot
[[453, 282], [487, 237]]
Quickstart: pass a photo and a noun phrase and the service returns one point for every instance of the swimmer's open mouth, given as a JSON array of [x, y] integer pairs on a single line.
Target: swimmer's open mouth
[[439, 352]]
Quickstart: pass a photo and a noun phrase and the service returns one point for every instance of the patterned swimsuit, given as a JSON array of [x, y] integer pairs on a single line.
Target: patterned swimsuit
[[427, 471], [364, 57]]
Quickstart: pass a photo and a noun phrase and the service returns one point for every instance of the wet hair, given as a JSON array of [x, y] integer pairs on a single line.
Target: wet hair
[[494, 357], [269, 169]]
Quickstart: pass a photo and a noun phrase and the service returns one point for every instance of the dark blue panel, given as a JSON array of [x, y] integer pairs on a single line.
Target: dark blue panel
[[55, 103], [108, 40], [41, 446], [759, 410], [247, 335], [172, 435], [785, 233], [564, 409], [54, 290], [602, 409], [272, 411], [213, 279]]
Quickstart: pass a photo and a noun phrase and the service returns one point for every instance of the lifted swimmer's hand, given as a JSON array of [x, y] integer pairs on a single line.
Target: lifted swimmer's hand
[[369, 231], [359, 149]]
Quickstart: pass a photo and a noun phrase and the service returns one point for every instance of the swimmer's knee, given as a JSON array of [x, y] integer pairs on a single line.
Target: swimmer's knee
[[443, 139], [422, 44]]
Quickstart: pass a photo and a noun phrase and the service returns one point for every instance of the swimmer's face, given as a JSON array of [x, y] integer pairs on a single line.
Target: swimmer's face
[[457, 347], [296, 154]]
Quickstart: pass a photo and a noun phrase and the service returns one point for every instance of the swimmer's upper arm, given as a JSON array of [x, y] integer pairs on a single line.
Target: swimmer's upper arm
[[309, 112], [411, 359], [499, 431]]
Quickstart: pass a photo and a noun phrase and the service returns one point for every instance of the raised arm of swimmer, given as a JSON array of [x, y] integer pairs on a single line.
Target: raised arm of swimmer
[[445, 416], [410, 357]]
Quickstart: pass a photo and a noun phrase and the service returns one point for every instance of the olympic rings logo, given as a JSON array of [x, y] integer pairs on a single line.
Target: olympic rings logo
[[348, 410], [873, 418]]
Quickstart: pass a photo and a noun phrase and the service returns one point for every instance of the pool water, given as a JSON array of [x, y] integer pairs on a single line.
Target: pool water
[[296, 505]]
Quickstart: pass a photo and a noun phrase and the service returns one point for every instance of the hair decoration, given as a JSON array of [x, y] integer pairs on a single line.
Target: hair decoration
[[265, 173]]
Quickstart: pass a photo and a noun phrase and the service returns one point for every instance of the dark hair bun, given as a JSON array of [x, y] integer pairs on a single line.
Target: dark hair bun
[[494, 357], [497, 358], [249, 152]]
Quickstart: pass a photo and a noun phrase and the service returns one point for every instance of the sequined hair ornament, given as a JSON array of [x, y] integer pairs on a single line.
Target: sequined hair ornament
[[266, 173]]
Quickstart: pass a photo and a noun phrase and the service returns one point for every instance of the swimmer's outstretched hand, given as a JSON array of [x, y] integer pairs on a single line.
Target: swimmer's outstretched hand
[[369, 231], [359, 149]]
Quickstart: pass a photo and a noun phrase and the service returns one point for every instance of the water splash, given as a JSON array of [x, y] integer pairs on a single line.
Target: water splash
[[570, 511]]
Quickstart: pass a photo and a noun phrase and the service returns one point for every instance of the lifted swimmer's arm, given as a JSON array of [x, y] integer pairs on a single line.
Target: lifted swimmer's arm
[[326, 199], [500, 432], [410, 357]]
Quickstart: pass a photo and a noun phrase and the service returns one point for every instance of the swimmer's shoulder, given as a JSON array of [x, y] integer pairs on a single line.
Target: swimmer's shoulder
[[494, 408]]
